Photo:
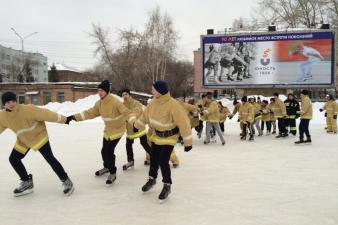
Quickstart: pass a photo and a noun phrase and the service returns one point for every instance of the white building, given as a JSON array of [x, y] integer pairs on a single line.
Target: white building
[[11, 65]]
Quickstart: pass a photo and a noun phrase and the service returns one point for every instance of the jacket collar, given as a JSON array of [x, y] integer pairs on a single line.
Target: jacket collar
[[163, 99]]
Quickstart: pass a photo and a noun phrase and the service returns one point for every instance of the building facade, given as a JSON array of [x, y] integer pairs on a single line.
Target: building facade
[[12, 65]]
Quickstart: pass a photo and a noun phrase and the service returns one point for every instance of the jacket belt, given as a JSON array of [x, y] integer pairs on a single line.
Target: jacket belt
[[167, 133]]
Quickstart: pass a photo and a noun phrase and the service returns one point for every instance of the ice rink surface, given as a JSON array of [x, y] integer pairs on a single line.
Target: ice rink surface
[[265, 182]]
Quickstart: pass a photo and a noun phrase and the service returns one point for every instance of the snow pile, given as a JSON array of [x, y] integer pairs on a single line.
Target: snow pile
[[71, 108]]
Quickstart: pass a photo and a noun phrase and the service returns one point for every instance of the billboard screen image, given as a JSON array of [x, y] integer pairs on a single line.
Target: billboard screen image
[[268, 59]]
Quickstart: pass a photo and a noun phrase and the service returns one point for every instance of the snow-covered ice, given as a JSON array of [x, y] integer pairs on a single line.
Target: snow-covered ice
[[266, 182]]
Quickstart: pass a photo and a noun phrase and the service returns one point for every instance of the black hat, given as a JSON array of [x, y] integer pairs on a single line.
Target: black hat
[[105, 85], [161, 87], [8, 96], [244, 99], [305, 92]]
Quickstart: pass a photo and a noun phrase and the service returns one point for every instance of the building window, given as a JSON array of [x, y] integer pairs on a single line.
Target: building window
[[21, 99], [46, 97], [35, 99], [61, 97]]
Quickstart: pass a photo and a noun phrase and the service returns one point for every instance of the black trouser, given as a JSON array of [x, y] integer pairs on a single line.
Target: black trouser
[[247, 126], [46, 151], [268, 125], [199, 128], [281, 126], [160, 156], [108, 155], [304, 128], [221, 125], [129, 147], [291, 125]]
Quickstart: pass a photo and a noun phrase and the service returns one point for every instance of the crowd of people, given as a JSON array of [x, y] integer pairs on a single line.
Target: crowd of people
[[159, 125]]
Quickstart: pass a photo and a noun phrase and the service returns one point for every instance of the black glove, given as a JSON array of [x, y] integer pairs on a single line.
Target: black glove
[[200, 106], [202, 114], [187, 148], [230, 117], [191, 113], [135, 130], [335, 117], [325, 114], [238, 120], [321, 110], [70, 118]]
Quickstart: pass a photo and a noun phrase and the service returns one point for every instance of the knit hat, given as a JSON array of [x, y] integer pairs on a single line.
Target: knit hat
[[105, 85], [161, 87], [305, 92], [8, 96], [244, 99]]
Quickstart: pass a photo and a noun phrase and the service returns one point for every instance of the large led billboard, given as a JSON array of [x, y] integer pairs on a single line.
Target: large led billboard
[[268, 60]]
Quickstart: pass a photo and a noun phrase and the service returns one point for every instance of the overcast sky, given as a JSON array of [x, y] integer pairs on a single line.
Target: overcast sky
[[62, 25]]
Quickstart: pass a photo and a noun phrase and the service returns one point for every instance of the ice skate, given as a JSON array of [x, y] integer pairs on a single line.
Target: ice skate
[[128, 165], [26, 187], [68, 187], [166, 190], [111, 178], [149, 185], [101, 172]]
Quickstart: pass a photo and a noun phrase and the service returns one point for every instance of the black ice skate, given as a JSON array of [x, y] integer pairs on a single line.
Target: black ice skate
[[301, 141], [68, 187], [230, 79], [101, 172], [111, 178], [165, 192], [243, 137], [308, 140], [26, 187], [251, 138], [128, 165], [150, 183]]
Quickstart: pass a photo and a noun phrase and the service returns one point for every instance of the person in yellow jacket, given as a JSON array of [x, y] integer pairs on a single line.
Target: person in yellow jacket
[[305, 117], [280, 114], [246, 118], [224, 112], [273, 118], [114, 115], [237, 105], [200, 104], [132, 133], [28, 123], [211, 112], [167, 120], [331, 111], [266, 116], [258, 116]]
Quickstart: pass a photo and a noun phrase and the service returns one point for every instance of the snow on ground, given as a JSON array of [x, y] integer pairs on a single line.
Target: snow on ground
[[268, 182]]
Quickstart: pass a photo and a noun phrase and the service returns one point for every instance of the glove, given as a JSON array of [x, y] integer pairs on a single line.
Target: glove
[[202, 114], [238, 120], [285, 117], [230, 116], [191, 113], [325, 114], [200, 106], [321, 110], [70, 118], [187, 148], [135, 130], [334, 117]]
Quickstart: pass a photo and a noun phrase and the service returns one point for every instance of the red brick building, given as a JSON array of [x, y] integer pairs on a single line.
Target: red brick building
[[43, 93]]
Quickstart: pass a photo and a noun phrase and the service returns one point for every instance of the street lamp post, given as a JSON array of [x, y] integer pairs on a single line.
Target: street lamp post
[[22, 45]]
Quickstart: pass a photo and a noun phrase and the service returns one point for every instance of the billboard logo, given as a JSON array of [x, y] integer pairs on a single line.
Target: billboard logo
[[265, 60]]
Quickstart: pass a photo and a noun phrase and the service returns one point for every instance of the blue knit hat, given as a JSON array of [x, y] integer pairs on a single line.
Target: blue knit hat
[[161, 87]]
